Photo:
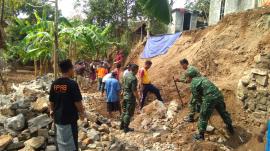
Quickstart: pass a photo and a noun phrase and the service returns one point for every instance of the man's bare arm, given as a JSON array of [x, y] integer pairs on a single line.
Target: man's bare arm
[[136, 94], [80, 109], [51, 107]]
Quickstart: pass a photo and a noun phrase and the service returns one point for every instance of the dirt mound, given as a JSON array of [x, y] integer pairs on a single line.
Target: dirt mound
[[222, 53]]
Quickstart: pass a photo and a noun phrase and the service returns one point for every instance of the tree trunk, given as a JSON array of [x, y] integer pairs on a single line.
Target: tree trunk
[[35, 66], [55, 53], [46, 66], [148, 27], [70, 50], [74, 53], [4, 83], [2, 22], [40, 67], [2, 12]]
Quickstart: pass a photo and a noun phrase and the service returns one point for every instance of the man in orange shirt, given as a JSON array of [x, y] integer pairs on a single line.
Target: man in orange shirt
[[145, 84], [101, 72]]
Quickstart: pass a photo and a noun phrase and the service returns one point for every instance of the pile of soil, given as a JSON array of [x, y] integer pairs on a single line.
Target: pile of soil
[[222, 53]]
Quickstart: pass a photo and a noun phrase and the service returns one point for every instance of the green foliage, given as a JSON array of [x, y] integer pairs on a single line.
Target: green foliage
[[102, 12], [159, 9], [157, 27], [201, 6], [91, 39]]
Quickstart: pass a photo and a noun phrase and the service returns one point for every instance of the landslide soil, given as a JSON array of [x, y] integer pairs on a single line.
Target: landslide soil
[[222, 53]]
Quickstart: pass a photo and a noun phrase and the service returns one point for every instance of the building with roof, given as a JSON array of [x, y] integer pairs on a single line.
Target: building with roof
[[182, 19]]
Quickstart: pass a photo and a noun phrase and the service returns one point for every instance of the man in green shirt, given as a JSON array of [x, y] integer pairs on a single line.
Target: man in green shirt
[[205, 92], [130, 83], [193, 106]]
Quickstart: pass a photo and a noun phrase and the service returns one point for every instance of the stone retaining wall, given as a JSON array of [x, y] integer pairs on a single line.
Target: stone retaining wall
[[254, 87]]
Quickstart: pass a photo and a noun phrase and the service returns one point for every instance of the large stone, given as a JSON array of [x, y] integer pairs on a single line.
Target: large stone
[[7, 110], [51, 148], [43, 132], [30, 92], [261, 107], [87, 141], [2, 120], [93, 135], [5, 140], [15, 146], [210, 128], [241, 91], [262, 61], [41, 104], [81, 136], [259, 72], [39, 122], [261, 79], [252, 86], [20, 105], [245, 80], [15, 123], [27, 148], [35, 142], [104, 128], [172, 109]]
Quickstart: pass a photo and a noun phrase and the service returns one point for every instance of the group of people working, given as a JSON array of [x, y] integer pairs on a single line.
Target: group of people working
[[66, 101]]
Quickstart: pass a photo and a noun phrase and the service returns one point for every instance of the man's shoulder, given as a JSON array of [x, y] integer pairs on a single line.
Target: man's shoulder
[[196, 80], [193, 67], [131, 76], [65, 80]]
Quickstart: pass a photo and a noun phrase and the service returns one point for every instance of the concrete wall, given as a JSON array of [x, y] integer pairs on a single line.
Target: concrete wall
[[193, 21], [230, 7], [247, 4], [214, 11], [177, 23]]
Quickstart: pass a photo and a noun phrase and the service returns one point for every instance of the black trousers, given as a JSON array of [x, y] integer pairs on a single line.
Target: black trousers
[[150, 88]]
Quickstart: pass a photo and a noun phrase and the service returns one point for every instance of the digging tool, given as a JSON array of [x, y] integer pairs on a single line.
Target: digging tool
[[178, 92]]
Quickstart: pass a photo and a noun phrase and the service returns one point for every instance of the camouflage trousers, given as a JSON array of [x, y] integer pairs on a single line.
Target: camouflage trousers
[[128, 107], [207, 108], [194, 107]]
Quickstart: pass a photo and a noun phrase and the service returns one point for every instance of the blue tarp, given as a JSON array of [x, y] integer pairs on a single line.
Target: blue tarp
[[158, 45]]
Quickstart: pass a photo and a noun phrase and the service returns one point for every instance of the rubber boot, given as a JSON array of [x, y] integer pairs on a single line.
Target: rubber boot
[[199, 136], [122, 125], [127, 129], [230, 129]]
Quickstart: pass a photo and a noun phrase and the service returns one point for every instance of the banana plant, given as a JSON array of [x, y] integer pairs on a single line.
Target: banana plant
[[90, 39]]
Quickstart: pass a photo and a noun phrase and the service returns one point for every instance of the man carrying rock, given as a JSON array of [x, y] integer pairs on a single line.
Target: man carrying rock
[[130, 97], [211, 98], [146, 85], [66, 107], [193, 105]]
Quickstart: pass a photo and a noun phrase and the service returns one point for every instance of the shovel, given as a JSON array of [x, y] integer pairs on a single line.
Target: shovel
[[178, 92]]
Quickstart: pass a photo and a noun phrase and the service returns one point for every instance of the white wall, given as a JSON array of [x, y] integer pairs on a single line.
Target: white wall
[[214, 11]]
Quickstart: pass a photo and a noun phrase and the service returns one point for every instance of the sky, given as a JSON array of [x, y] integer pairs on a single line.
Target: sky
[[67, 7]]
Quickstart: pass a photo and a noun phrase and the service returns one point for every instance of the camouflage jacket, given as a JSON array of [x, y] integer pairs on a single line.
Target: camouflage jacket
[[130, 83], [183, 78], [204, 89]]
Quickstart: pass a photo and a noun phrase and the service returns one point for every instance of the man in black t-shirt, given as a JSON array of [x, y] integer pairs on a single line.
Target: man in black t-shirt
[[66, 107]]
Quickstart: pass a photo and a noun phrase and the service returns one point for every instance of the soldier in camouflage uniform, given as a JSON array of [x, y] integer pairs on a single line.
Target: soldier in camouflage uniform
[[130, 95], [193, 105], [212, 98]]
